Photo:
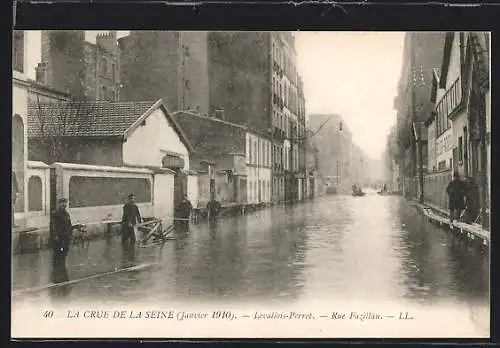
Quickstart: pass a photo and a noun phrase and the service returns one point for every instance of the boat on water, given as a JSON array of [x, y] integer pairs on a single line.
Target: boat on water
[[356, 191]]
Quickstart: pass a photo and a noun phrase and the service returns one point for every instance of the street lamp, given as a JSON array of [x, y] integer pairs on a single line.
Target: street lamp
[[418, 130]]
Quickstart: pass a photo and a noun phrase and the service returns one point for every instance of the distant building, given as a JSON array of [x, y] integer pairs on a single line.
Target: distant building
[[235, 160], [77, 67], [340, 160]]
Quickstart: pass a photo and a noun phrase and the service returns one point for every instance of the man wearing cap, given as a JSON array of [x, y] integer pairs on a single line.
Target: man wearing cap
[[60, 231], [456, 194], [130, 218]]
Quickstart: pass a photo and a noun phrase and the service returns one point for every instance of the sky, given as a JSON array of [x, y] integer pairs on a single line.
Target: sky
[[354, 74]]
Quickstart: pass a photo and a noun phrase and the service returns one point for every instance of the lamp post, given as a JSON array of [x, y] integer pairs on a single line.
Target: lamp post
[[417, 127]]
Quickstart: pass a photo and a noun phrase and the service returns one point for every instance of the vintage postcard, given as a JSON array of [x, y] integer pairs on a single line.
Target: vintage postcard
[[194, 184]]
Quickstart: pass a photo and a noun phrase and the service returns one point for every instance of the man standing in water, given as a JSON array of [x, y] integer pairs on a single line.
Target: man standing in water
[[456, 193], [184, 213], [60, 231], [131, 217]]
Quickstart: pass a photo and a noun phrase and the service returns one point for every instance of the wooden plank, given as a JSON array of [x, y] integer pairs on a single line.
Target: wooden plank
[[53, 285]]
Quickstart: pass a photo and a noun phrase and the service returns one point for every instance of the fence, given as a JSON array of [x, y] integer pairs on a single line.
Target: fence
[[435, 188]]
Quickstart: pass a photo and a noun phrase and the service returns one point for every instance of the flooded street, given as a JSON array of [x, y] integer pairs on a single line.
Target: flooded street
[[372, 248]]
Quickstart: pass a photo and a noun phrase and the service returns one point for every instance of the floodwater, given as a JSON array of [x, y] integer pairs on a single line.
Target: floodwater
[[367, 249]]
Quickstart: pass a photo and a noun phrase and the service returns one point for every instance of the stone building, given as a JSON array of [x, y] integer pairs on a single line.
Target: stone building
[[460, 122], [248, 78], [172, 65], [421, 55], [72, 65]]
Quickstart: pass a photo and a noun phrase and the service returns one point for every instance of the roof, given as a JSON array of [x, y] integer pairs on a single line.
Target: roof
[[84, 118], [211, 136], [94, 118]]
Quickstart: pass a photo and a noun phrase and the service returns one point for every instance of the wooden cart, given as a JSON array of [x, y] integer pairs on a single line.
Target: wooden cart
[[152, 232]]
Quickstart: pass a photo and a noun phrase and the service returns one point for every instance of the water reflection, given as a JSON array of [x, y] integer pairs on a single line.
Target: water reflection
[[373, 248], [59, 275]]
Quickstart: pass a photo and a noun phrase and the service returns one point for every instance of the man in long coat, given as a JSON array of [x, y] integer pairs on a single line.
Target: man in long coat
[[456, 194], [472, 201], [60, 231], [130, 218]]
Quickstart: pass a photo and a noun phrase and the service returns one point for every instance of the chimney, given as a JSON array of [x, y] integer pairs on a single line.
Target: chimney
[[107, 41]]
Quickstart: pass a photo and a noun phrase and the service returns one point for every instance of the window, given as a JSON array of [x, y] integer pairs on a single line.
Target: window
[[104, 66], [250, 152], [35, 191], [255, 152], [460, 150], [18, 50]]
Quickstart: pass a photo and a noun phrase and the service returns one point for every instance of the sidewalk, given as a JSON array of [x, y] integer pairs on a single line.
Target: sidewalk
[[441, 217]]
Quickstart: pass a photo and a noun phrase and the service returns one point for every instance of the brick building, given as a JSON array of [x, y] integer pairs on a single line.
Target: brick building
[[172, 65], [82, 69]]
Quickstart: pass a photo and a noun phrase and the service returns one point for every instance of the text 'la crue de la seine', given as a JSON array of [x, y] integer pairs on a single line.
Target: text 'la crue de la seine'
[[231, 315]]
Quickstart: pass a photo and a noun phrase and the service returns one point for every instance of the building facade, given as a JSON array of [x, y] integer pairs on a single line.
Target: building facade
[[84, 70], [171, 65], [341, 162], [247, 78], [421, 55]]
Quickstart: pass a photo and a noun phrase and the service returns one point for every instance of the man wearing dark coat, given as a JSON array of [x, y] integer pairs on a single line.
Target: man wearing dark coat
[[213, 208], [472, 207], [60, 231], [130, 218], [456, 194], [183, 213]]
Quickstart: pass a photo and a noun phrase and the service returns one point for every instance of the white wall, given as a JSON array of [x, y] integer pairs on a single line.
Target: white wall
[[163, 197], [454, 67], [444, 148], [192, 188], [258, 168], [65, 171], [144, 146], [39, 219], [20, 107]]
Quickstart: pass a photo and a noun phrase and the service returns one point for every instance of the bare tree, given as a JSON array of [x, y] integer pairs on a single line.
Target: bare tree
[[58, 124]]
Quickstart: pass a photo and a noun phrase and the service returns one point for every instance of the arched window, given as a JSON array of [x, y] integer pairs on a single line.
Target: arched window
[[35, 194]]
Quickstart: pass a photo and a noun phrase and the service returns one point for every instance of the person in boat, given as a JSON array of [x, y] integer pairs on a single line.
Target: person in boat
[[456, 194], [130, 218], [471, 200], [354, 189]]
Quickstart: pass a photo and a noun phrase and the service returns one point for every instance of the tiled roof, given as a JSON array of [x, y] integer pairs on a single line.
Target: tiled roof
[[84, 118], [210, 136]]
